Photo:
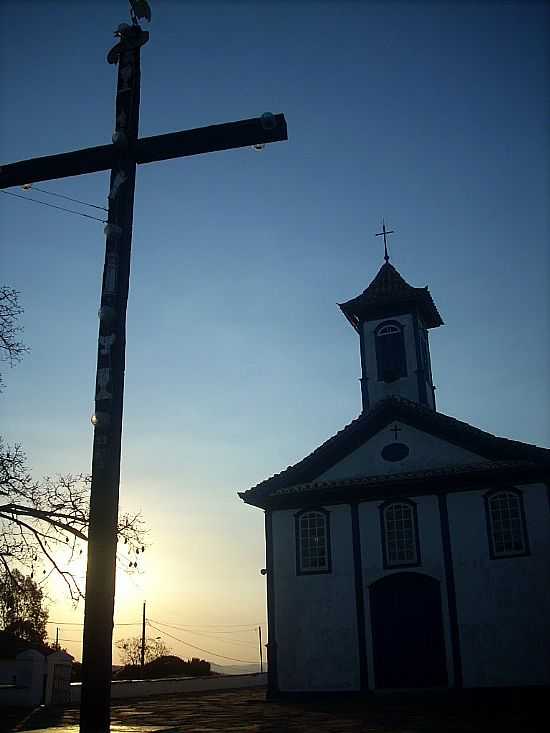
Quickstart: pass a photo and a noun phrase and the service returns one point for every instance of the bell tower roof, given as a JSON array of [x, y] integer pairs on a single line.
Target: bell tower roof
[[390, 294]]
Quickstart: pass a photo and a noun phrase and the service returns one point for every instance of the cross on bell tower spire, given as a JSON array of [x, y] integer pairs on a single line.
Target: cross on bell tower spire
[[383, 233]]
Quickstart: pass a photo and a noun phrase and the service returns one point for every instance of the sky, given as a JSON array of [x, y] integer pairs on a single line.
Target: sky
[[433, 115]]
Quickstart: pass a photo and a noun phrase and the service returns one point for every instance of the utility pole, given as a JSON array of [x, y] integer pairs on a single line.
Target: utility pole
[[261, 650], [143, 640], [57, 638], [122, 157]]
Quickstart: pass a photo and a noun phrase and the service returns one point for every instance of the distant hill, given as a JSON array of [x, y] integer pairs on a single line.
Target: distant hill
[[237, 668]]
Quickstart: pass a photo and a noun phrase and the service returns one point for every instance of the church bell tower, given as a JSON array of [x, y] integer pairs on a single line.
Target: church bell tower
[[392, 319]]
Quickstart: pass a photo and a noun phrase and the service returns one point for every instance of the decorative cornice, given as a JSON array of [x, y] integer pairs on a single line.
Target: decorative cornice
[[360, 430], [446, 480]]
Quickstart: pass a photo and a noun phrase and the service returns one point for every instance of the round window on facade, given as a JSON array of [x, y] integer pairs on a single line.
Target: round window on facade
[[395, 452]]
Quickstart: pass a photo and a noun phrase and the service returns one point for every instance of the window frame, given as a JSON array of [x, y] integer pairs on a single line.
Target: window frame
[[378, 350], [300, 570], [488, 496], [416, 540]]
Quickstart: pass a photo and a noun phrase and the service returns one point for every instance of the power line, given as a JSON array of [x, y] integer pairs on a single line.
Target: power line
[[198, 648], [185, 627], [76, 623], [212, 629], [226, 641], [65, 623], [215, 634], [63, 196], [52, 206]]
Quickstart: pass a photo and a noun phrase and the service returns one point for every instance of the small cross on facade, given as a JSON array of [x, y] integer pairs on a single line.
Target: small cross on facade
[[395, 429], [383, 233]]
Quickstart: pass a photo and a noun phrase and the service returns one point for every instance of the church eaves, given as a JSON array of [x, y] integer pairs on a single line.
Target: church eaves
[[388, 294], [366, 425], [440, 480]]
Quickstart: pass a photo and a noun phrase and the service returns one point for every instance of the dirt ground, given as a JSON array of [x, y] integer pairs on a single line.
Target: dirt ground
[[247, 710]]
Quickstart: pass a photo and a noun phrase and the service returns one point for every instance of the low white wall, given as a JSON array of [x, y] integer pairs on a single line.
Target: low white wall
[[151, 688]]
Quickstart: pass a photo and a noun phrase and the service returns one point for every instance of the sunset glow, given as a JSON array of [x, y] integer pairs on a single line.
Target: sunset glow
[[238, 361]]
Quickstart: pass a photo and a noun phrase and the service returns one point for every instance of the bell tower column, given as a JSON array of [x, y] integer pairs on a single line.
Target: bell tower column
[[392, 319]]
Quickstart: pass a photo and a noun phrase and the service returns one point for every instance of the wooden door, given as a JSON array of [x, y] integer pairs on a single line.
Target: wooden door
[[407, 631]]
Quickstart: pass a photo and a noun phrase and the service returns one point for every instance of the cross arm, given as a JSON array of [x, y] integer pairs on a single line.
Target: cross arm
[[209, 139], [49, 167], [243, 133]]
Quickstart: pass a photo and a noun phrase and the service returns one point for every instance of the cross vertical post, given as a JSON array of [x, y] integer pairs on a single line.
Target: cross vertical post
[[102, 533]]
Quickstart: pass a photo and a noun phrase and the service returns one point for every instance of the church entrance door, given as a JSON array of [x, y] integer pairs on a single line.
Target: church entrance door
[[407, 631]]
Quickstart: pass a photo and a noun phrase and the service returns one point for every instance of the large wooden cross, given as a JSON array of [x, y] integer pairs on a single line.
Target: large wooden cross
[[122, 157]]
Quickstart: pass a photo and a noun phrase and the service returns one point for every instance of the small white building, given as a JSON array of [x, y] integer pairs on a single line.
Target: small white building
[[411, 549], [29, 677]]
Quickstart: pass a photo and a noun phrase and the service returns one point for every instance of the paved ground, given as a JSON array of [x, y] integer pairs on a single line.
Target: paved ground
[[247, 711]]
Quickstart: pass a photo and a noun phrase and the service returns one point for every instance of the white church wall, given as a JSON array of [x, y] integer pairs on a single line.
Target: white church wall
[[425, 451], [315, 615], [503, 604], [404, 387], [432, 564]]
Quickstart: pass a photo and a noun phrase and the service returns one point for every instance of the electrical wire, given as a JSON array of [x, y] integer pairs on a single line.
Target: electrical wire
[[186, 627], [76, 623], [198, 648], [217, 638], [190, 628], [63, 196], [215, 634], [52, 206]]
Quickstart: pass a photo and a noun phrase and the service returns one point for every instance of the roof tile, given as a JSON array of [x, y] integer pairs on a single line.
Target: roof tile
[[390, 290]]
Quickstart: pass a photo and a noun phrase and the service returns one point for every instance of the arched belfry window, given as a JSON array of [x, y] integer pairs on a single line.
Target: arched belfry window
[[400, 534], [390, 351], [506, 523], [312, 541]]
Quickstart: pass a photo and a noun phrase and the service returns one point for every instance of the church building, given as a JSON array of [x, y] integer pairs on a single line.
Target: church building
[[410, 550]]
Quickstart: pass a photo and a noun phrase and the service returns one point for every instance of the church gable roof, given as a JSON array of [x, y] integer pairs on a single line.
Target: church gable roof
[[397, 447], [387, 294], [360, 430]]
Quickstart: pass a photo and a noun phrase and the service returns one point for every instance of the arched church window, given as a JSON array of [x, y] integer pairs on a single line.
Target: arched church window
[[390, 351], [312, 541], [506, 523], [400, 534]]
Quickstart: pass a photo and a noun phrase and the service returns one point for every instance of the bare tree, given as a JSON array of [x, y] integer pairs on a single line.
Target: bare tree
[[11, 349], [43, 524], [130, 650]]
